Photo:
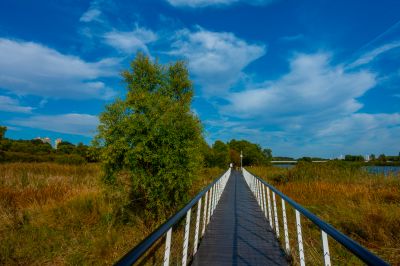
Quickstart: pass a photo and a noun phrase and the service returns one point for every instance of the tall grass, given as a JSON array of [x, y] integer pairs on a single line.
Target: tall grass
[[52, 214], [364, 206]]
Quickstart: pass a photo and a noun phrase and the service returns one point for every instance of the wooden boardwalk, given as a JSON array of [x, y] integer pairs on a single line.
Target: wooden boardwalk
[[238, 233]]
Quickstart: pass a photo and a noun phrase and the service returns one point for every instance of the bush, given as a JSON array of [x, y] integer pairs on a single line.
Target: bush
[[70, 159]]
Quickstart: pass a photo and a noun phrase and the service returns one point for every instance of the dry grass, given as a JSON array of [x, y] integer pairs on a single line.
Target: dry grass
[[52, 214], [365, 207]]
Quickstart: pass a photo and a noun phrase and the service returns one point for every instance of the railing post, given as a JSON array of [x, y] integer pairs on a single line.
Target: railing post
[[269, 210], [186, 239], [300, 239], [196, 234], [214, 198], [167, 247], [265, 202], [325, 245], [275, 215], [285, 227], [219, 190], [205, 214], [261, 196], [256, 190], [209, 205], [257, 198]]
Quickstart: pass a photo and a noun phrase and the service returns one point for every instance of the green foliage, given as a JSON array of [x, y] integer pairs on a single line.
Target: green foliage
[[253, 154], [70, 159], [27, 146], [154, 135], [65, 147], [382, 158], [221, 154], [2, 132], [37, 151], [354, 158], [267, 153], [283, 158], [306, 159]]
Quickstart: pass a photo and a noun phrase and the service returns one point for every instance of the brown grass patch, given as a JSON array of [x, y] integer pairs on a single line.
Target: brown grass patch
[[361, 205]]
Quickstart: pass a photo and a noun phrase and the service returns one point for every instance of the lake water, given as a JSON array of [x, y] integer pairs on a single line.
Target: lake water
[[370, 169], [383, 169], [286, 165]]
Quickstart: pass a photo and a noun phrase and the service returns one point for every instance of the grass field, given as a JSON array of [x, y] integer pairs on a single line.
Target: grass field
[[364, 206], [53, 214]]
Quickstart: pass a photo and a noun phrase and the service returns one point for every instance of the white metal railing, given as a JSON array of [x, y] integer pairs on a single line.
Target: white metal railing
[[258, 186], [210, 196]]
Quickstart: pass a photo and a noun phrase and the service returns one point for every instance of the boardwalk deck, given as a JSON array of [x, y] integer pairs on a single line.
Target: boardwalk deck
[[238, 233]]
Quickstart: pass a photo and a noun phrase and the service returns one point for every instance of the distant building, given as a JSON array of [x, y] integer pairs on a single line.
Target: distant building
[[366, 157], [58, 141], [45, 140]]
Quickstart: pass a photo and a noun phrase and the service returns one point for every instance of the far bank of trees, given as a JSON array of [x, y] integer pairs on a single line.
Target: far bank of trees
[[221, 154], [372, 159], [36, 150]]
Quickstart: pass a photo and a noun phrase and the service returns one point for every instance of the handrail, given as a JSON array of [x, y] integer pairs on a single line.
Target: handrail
[[134, 254], [364, 254]]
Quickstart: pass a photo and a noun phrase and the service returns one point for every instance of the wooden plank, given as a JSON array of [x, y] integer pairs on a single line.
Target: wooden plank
[[238, 233]]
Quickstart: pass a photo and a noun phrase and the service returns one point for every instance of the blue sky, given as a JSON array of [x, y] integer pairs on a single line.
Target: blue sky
[[305, 78]]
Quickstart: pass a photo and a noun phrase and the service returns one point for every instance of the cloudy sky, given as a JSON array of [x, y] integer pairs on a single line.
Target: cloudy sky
[[305, 78]]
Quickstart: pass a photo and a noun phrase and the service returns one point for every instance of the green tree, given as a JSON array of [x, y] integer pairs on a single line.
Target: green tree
[[267, 153], [234, 157], [305, 159], [154, 135], [382, 158], [221, 154], [354, 158], [3, 130], [65, 147], [253, 154]]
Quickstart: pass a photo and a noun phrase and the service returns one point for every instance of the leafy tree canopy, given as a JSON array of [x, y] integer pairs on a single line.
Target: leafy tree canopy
[[221, 154], [153, 134], [2, 132]]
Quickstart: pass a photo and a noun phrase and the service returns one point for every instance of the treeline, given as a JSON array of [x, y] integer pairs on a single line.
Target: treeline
[[38, 151], [382, 159], [221, 154]]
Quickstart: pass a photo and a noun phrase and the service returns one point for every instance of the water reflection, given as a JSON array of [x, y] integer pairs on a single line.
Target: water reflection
[[286, 165], [386, 170]]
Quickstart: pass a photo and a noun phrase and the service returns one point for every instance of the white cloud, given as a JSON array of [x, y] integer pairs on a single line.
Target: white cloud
[[93, 13], [371, 55], [312, 110], [204, 3], [8, 104], [90, 15], [28, 68], [361, 125], [216, 59], [362, 133], [357, 133], [76, 124], [312, 91], [130, 41]]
